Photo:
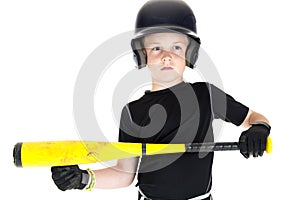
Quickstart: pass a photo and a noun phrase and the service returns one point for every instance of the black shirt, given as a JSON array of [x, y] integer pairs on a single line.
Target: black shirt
[[179, 114]]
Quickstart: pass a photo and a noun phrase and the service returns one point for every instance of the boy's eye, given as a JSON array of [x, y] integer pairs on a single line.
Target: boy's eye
[[177, 48], [155, 48]]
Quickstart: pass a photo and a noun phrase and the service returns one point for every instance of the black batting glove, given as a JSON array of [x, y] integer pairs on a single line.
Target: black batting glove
[[69, 177], [254, 140]]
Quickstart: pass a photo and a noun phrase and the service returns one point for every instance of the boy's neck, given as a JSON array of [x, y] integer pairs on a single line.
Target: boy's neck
[[163, 85]]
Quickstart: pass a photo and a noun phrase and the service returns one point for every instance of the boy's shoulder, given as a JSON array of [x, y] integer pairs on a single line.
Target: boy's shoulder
[[201, 87], [200, 84]]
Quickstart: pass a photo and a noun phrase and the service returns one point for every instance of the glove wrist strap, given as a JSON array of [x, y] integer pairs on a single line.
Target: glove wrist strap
[[85, 178], [91, 181], [262, 123]]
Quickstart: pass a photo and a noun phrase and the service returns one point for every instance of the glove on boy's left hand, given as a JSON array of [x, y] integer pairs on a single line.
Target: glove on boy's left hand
[[253, 141], [69, 177]]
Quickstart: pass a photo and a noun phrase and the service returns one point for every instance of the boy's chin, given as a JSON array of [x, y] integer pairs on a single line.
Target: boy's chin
[[167, 78]]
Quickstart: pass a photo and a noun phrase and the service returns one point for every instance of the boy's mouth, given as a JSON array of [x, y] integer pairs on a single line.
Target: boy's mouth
[[166, 68]]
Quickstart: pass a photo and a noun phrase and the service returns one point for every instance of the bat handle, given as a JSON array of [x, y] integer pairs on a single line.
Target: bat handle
[[220, 146], [210, 147]]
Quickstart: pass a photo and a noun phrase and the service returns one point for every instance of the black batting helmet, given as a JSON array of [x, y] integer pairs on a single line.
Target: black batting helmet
[[159, 16]]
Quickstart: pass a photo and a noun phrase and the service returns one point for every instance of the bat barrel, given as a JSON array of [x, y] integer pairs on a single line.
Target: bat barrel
[[17, 155], [210, 147], [61, 153]]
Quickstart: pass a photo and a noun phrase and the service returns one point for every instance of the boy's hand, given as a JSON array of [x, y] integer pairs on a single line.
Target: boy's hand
[[253, 141], [69, 177]]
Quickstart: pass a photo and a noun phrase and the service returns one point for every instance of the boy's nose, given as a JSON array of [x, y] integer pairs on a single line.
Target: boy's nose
[[167, 57]]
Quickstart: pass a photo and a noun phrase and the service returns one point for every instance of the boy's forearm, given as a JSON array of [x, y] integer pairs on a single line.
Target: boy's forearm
[[111, 178], [117, 176], [253, 117]]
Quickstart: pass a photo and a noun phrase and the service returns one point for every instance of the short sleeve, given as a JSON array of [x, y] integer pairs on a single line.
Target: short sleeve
[[127, 132], [225, 107]]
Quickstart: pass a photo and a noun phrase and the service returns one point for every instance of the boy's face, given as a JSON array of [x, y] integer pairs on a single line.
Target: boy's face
[[166, 56]]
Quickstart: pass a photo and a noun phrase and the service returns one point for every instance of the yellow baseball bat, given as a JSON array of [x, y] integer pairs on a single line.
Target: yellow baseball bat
[[60, 153]]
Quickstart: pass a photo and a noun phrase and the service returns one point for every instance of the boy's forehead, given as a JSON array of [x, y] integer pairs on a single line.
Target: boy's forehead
[[165, 37]]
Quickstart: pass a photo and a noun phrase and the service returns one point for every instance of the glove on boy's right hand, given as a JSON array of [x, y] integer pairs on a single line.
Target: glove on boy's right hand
[[69, 177]]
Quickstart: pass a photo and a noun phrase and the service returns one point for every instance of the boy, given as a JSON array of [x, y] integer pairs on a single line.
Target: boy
[[173, 111]]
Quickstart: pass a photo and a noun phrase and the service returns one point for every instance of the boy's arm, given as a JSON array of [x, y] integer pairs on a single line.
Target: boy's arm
[[72, 177]]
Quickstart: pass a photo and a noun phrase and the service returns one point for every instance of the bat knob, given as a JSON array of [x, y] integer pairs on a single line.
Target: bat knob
[[17, 155]]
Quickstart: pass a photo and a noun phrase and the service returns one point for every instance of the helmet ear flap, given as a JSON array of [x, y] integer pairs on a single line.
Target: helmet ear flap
[[192, 52], [139, 57]]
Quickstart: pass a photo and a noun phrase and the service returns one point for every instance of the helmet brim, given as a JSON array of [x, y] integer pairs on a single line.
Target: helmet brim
[[163, 29]]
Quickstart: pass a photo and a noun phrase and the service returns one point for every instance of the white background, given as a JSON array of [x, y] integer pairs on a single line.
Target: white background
[[253, 44]]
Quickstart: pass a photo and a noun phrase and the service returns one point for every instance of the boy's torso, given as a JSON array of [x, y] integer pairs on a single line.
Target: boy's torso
[[176, 115]]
